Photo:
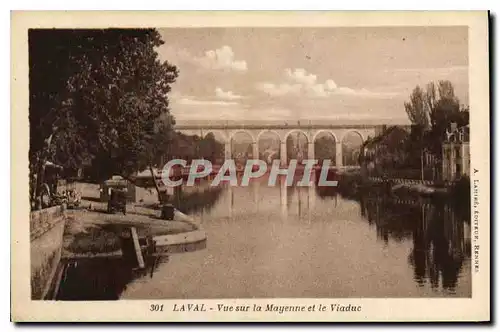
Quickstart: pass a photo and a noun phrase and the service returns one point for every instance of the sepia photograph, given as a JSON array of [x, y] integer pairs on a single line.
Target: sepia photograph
[[220, 168]]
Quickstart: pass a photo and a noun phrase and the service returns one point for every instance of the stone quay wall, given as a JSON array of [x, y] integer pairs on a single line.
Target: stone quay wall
[[46, 236]]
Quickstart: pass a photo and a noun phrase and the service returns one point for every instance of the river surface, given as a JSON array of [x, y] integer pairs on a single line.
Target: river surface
[[303, 242]]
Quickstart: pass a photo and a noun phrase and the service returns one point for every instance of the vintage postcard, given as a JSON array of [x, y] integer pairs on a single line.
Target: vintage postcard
[[250, 166]]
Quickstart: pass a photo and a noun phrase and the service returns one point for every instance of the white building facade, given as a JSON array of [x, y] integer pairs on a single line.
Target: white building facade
[[456, 154]]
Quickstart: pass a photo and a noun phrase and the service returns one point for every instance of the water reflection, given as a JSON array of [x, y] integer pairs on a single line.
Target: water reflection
[[438, 232], [440, 236], [291, 241], [101, 279], [261, 196], [201, 198]]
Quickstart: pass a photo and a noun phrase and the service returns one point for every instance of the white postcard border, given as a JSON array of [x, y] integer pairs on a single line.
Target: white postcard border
[[23, 308]]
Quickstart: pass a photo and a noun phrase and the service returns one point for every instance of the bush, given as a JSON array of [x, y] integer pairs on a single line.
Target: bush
[[95, 240], [460, 195], [462, 187]]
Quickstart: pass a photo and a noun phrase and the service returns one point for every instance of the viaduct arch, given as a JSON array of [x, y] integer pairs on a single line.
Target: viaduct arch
[[225, 133]]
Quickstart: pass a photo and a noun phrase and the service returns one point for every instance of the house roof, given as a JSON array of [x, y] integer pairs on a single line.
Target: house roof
[[385, 135]]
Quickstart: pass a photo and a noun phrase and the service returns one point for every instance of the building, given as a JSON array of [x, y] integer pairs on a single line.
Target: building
[[456, 153], [386, 152]]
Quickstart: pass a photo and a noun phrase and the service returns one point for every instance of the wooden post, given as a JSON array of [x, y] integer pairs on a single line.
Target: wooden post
[[156, 184], [422, 164], [137, 246]]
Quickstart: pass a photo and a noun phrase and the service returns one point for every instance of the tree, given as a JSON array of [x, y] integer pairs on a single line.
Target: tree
[[431, 113], [210, 149], [163, 139], [157, 146], [324, 148], [418, 113], [417, 109], [183, 146], [95, 95], [444, 109]]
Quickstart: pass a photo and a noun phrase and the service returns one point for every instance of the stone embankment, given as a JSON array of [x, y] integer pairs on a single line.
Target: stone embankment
[[46, 233], [94, 233], [59, 235], [423, 187]]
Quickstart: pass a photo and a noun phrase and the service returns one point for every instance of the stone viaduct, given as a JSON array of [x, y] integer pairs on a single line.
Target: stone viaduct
[[225, 132]]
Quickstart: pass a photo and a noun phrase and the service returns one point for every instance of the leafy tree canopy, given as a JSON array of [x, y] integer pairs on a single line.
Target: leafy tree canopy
[[97, 96], [431, 111]]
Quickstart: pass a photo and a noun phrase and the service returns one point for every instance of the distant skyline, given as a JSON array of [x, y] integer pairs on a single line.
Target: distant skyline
[[291, 74]]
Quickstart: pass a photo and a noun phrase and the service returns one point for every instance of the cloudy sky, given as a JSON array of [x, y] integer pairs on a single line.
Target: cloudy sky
[[309, 73]]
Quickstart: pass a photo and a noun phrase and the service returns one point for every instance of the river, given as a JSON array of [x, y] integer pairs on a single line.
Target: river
[[302, 242]]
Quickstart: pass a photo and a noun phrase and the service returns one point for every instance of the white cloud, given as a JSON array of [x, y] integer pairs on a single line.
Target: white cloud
[[279, 89], [300, 81], [300, 76], [177, 98], [344, 91], [363, 93], [330, 85], [226, 95], [318, 90], [199, 102], [221, 58], [186, 107]]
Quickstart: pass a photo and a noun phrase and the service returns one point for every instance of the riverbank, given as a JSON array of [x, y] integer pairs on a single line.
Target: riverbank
[[420, 187], [266, 240], [350, 183], [94, 233], [97, 244]]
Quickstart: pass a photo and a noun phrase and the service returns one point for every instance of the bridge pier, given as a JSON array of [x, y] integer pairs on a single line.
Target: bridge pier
[[310, 150], [230, 200], [227, 150], [283, 156], [282, 130], [255, 150], [311, 198], [283, 197], [338, 154]]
